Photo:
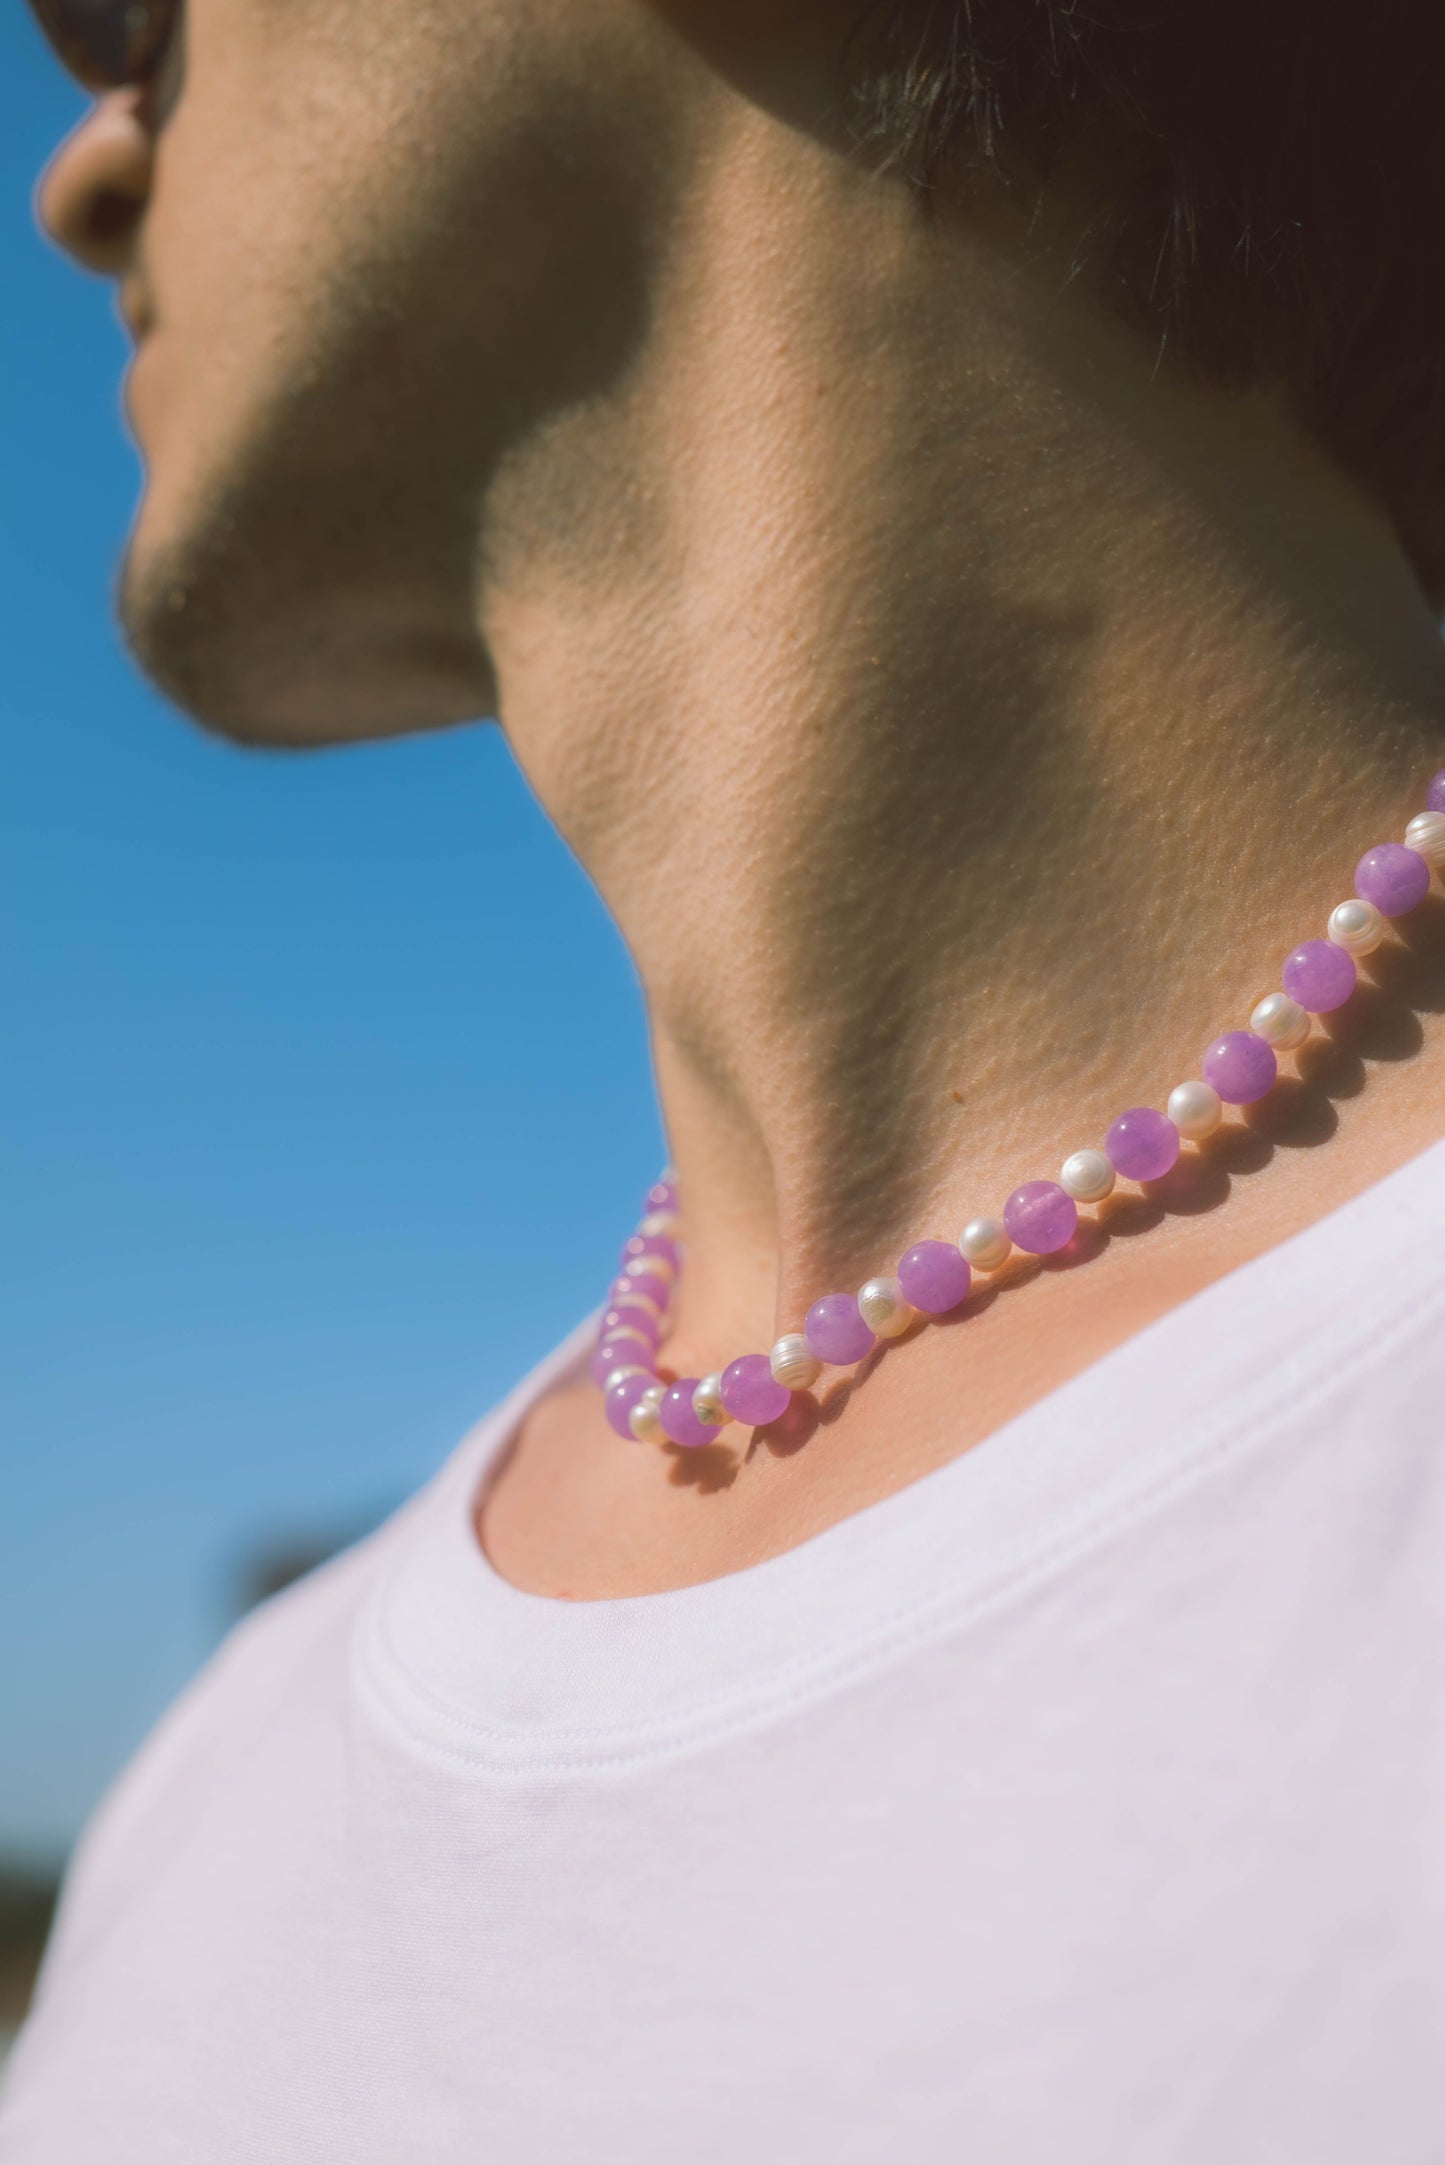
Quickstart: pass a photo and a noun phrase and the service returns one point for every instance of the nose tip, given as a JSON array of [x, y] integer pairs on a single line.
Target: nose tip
[[93, 192]]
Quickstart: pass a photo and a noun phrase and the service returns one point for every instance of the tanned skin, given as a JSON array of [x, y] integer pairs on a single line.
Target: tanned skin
[[960, 705]]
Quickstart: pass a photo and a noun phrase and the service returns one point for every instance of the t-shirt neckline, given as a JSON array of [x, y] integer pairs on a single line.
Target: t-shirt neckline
[[482, 1673]]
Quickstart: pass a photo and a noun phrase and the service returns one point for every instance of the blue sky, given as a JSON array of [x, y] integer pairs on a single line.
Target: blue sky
[[324, 1091]]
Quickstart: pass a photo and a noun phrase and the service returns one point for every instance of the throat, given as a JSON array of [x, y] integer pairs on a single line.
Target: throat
[[960, 743]]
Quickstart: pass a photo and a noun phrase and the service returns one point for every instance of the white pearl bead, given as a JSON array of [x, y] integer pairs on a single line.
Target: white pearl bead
[[651, 1266], [661, 1221], [707, 1402], [630, 1345], [1426, 834], [985, 1243], [1088, 1175], [1280, 1021], [1356, 926], [883, 1308], [623, 1370], [638, 1299], [1196, 1109], [644, 1419], [794, 1362]]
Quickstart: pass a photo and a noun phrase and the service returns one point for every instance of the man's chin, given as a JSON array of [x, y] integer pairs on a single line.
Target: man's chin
[[266, 657]]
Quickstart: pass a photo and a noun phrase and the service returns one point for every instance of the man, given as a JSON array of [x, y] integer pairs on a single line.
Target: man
[[948, 503]]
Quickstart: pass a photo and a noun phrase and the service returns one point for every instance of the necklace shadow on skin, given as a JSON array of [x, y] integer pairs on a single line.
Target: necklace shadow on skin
[[1380, 1024]]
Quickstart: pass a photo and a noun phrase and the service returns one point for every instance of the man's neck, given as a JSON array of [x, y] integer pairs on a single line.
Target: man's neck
[[961, 714]]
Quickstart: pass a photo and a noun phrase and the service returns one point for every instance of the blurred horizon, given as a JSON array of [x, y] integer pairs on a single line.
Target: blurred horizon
[[326, 1096]]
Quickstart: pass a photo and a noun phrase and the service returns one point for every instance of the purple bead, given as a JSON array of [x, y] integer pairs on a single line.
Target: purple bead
[[621, 1399], [1040, 1217], [620, 1350], [1240, 1066], [679, 1419], [836, 1331], [752, 1393], [1435, 794], [662, 1195], [1142, 1144], [1393, 878], [934, 1277], [649, 1244], [1319, 975], [630, 1316]]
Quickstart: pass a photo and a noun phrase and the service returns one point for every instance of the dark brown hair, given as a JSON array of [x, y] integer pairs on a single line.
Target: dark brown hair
[[1275, 191]]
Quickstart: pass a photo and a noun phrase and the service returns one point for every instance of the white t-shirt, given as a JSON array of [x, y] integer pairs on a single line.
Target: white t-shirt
[[1081, 1804]]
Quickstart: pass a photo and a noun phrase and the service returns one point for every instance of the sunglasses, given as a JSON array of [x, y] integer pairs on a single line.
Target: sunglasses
[[109, 44]]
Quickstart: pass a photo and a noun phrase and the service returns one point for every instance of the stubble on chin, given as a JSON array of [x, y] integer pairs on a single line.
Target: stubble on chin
[[177, 613], [252, 627]]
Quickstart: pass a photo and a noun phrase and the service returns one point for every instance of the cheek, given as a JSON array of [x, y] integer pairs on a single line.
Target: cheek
[[305, 139], [370, 276], [302, 404], [260, 255]]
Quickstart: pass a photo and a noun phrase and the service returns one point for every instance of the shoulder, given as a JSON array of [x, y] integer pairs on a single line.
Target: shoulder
[[288, 1656]]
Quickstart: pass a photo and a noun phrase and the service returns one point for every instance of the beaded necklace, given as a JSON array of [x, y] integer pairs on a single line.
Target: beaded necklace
[[1040, 1217]]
